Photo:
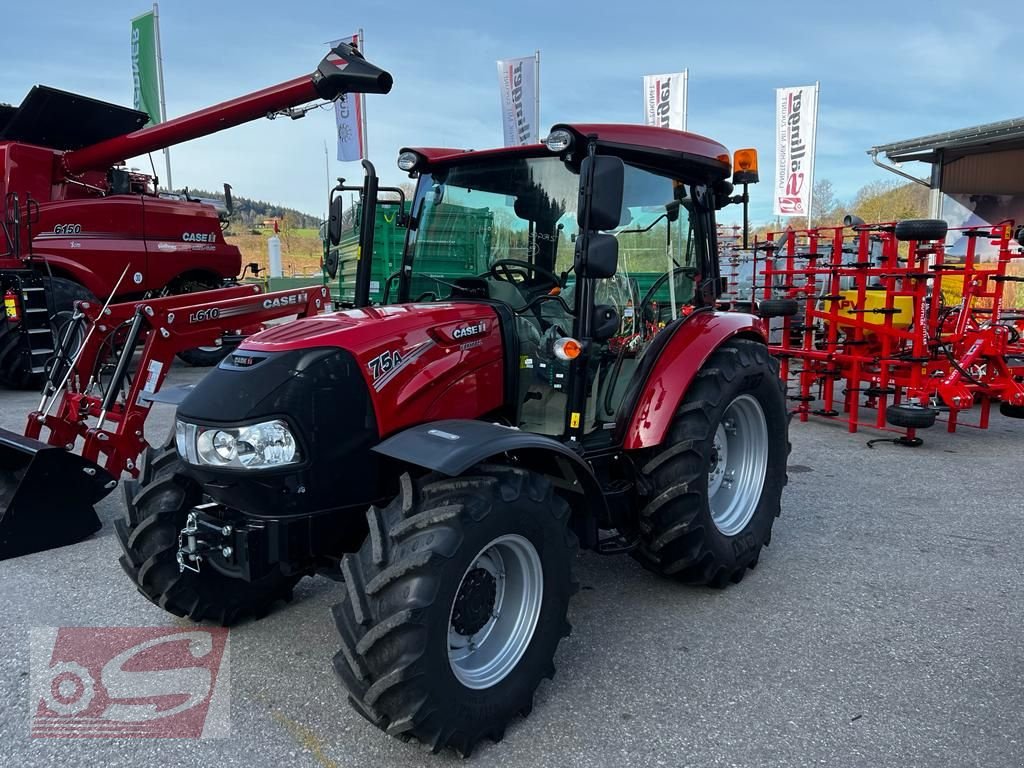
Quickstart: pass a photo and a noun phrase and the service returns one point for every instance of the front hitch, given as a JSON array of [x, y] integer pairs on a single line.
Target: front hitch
[[202, 536]]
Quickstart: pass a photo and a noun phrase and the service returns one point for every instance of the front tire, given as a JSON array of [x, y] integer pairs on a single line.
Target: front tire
[[455, 605], [157, 509], [717, 480]]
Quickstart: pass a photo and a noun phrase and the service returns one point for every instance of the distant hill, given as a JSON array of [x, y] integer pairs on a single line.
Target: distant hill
[[250, 213]]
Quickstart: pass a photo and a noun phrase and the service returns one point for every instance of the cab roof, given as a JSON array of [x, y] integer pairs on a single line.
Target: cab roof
[[647, 145]]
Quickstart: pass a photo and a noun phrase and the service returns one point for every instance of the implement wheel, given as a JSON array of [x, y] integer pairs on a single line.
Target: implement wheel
[[778, 308], [910, 416], [455, 605], [1012, 411], [157, 509], [718, 478]]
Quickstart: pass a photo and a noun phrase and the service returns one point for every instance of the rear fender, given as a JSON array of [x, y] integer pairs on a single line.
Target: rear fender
[[677, 365], [453, 446]]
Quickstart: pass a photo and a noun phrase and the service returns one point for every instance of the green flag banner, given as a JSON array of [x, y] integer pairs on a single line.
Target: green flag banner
[[144, 66]]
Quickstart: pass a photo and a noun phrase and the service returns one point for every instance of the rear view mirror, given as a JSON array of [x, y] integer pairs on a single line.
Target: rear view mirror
[[609, 175], [601, 259], [334, 222]]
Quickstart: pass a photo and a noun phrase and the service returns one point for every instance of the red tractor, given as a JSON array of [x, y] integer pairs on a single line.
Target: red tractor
[[77, 226], [446, 455]]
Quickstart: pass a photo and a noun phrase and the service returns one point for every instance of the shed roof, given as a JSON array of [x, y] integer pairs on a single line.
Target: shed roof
[[1005, 134]]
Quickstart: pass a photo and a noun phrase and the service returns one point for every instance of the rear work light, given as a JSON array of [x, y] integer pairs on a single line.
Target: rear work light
[[407, 161], [558, 140]]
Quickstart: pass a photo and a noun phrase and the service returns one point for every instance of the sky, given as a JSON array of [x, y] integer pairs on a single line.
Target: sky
[[888, 71]]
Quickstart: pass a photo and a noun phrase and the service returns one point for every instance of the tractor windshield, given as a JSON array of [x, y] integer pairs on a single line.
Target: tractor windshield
[[504, 228], [472, 217]]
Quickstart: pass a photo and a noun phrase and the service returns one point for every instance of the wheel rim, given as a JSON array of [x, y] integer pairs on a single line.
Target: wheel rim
[[495, 611], [739, 463]]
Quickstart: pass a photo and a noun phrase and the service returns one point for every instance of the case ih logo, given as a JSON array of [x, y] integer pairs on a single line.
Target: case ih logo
[[286, 301], [469, 330], [515, 78], [791, 202], [125, 682], [199, 237]]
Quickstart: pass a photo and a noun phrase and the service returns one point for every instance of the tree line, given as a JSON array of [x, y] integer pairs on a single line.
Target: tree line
[[874, 202], [249, 214]]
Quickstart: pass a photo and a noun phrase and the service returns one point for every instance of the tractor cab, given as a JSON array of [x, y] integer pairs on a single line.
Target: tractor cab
[[587, 289]]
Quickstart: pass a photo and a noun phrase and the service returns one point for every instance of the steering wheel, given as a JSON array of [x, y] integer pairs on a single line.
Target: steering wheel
[[504, 269]]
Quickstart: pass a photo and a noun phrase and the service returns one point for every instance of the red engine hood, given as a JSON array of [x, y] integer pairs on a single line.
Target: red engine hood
[[359, 330], [421, 361]]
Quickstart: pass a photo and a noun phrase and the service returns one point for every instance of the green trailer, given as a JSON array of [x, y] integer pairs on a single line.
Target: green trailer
[[458, 244]]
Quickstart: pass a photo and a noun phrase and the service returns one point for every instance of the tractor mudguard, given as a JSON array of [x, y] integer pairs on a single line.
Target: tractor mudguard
[[675, 367], [452, 446], [46, 495]]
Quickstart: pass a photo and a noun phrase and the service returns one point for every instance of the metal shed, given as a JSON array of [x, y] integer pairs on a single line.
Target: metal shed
[[976, 175]]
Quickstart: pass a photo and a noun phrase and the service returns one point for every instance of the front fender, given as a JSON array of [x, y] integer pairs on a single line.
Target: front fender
[[452, 446], [677, 365]]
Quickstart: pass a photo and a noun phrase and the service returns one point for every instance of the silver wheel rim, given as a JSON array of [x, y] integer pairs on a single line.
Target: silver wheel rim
[[739, 463], [483, 657]]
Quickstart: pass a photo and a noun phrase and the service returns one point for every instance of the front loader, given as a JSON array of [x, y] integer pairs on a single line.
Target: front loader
[[445, 455], [97, 394]]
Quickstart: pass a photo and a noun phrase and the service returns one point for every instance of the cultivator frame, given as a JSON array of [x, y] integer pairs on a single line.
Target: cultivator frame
[[872, 317], [109, 417]]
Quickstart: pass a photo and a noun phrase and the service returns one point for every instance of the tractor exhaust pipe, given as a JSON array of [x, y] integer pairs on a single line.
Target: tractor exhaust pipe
[[46, 495]]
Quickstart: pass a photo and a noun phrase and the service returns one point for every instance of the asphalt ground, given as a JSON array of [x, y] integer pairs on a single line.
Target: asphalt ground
[[881, 628]]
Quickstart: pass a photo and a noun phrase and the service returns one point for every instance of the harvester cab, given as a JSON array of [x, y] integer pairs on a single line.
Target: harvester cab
[[97, 394], [551, 374]]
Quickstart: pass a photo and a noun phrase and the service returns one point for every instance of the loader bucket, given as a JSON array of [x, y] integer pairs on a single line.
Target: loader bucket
[[46, 495]]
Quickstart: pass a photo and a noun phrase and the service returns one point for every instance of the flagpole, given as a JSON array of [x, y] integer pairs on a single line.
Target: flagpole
[[814, 144], [327, 170], [686, 94], [160, 82], [362, 101], [536, 91]]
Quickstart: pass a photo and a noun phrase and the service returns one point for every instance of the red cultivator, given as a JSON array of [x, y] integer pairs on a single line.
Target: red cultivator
[[883, 328], [98, 395]]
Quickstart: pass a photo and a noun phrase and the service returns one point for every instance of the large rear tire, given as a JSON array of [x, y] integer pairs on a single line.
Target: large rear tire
[[717, 480], [157, 509], [455, 605]]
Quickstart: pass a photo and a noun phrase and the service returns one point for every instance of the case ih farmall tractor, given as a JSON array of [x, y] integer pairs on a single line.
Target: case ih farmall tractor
[[447, 454], [76, 226]]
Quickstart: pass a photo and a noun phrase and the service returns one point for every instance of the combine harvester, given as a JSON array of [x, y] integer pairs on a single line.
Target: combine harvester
[[97, 394], [77, 225]]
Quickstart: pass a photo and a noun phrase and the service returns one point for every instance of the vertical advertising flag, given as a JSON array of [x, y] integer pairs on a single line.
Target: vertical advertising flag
[[665, 100], [348, 117], [145, 67], [520, 99], [796, 115]]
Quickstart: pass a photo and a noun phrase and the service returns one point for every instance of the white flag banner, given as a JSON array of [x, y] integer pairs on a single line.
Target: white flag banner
[[519, 100], [795, 115], [665, 100], [348, 118]]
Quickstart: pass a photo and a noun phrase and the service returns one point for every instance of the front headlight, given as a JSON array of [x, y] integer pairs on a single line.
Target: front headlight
[[253, 446]]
